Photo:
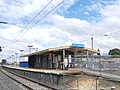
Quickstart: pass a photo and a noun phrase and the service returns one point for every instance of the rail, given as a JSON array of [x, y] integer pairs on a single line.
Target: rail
[[25, 85]]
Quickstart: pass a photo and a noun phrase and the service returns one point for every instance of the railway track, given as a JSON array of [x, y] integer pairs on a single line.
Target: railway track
[[25, 82]]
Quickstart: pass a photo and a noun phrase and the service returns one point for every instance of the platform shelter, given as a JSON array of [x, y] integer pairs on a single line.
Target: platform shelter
[[58, 57]]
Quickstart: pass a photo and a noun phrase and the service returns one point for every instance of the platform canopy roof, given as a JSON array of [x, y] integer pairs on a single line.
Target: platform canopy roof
[[71, 48]]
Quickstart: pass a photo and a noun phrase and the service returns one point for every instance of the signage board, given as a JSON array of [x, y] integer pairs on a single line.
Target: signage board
[[77, 45]]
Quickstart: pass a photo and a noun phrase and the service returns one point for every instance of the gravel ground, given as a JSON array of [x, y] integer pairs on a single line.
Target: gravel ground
[[8, 84], [31, 84]]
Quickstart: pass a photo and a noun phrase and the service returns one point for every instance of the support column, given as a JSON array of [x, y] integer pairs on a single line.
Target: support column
[[53, 61], [50, 60], [63, 59], [63, 54], [87, 60]]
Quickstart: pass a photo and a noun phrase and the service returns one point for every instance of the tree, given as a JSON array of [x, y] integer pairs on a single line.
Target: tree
[[0, 49], [114, 51]]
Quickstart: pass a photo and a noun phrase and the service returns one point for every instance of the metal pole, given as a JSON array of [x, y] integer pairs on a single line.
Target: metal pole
[[63, 59], [92, 41], [100, 65], [21, 51], [87, 61], [96, 83], [30, 48], [12, 58], [78, 83], [16, 56]]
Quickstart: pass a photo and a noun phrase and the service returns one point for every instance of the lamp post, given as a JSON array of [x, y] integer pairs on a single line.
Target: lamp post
[[30, 46], [16, 56], [21, 51], [20, 58], [12, 57], [92, 41]]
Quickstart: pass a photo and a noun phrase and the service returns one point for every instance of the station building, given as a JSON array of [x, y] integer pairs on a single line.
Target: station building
[[58, 57]]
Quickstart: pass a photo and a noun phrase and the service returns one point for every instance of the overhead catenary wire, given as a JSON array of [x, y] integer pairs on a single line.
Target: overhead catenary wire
[[25, 28], [39, 13], [100, 36], [42, 18]]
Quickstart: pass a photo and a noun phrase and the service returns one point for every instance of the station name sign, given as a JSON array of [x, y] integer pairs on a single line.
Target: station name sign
[[77, 45]]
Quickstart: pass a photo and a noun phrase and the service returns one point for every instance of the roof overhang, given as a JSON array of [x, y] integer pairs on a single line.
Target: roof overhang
[[71, 48]]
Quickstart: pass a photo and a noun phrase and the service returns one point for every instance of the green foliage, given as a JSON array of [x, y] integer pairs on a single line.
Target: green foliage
[[114, 52], [0, 49]]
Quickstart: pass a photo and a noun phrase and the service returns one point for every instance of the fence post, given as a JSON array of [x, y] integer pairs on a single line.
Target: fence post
[[77, 83]]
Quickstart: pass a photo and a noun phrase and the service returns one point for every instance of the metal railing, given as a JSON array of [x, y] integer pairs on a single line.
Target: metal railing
[[95, 62]]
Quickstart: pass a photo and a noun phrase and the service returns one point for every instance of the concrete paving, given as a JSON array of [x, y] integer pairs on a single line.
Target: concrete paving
[[109, 76]]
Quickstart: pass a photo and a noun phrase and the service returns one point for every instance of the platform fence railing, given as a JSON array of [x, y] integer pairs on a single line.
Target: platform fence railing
[[95, 62]]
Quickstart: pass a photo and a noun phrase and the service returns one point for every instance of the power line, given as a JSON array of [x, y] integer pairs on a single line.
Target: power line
[[25, 28], [43, 17], [39, 13], [95, 38]]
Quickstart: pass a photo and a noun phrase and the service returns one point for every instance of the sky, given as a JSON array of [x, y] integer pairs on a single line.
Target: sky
[[49, 23]]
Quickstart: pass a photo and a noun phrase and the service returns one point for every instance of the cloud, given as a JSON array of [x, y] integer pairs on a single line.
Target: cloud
[[20, 12], [82, 29], [56, 29], [16, 10], [111, 10], [71, 25]]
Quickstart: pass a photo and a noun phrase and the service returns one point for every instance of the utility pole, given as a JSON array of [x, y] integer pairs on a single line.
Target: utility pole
[[92, 41], [12, 57], [20, 58], [21, 51], [16, 56], [0, 49], [30, 46]]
